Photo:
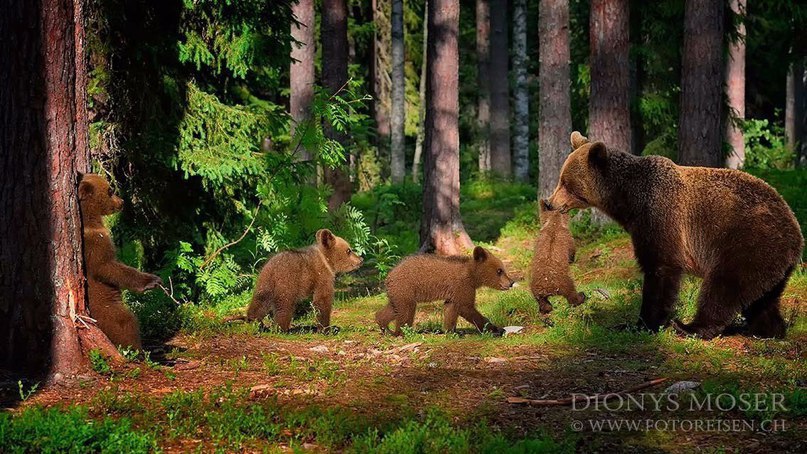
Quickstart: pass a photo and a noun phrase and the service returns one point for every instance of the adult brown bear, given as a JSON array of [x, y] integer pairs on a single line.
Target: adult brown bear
[[726, 226]]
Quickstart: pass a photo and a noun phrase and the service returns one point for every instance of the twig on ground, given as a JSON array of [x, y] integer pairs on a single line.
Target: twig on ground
[[596, 397]]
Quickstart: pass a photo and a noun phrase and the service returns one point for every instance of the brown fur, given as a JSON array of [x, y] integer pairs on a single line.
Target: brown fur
[[106, 276], [726, 226], [554, 251], [292, 276], [424, 278]]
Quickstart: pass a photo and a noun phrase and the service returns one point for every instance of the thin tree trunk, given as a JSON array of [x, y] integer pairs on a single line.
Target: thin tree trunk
[[700, 135], [43, 144], [398, 164], [521, 104], [422, 97], [500, 160], [483, 83], [301, 72], [735, 90], [441, 228], [555, 114], [334, 77], [609, 103], [382, 78], [794, 106]]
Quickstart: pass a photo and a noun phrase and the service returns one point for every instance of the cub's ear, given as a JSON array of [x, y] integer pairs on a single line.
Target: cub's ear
[[578, 140], [85, 189], [545, 206], [480, 254], [598, 155], [325, 237]]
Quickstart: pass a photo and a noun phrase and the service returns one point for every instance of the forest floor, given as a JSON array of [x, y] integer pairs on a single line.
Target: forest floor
[[236, 387]]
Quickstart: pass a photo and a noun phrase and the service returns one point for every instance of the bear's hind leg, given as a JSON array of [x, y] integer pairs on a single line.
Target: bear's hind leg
[[384, 316], [260, 306], [763, 315], [121, 327], [404, 315], [719, 302]]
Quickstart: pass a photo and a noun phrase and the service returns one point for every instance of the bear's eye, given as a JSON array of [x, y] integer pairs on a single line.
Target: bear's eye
[[349, 252], [499, 271], [110, 192]]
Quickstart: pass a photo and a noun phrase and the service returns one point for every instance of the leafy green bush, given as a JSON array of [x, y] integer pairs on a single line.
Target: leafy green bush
[[52, 430], [765, 146]]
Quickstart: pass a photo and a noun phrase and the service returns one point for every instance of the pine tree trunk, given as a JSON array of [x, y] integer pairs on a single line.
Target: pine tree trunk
[[555, 114], [700, 132], [301, 72], [421, 98], [382, 78], [609, 103], [521, 104], [795, 109], [500, 161], [735, 91], [483, 83], [441, 228], [43, 144], [398, 164], [334, 77]]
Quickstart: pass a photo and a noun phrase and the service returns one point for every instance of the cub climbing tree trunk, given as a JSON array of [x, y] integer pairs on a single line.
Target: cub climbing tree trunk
[[700, 135], [735, 90], [500, 161], [334, 77], [555, 111], [441, 228], [301, 73], [43, 143]]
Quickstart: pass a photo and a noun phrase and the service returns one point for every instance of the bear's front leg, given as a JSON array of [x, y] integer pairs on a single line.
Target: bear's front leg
[[659, 295]]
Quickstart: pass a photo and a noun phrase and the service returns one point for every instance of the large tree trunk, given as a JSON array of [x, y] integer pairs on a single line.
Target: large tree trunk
[[334, 78], [609, 104], [398, 164], [421, 97], [795, 109], [43, 146], [381, 71], [554, 114], [700, 135], [500, 162], [483, 83], [301, 72], [735, 90], [521, 104], [441, 228]]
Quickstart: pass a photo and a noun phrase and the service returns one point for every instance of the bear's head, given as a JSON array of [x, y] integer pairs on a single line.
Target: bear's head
[[548, 215], [581, 177], [337, 252], [96, 197], [489, 270]]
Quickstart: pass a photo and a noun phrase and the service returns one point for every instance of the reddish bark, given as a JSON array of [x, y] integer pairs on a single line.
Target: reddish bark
[[441, 228], [735, 90], [301, 72]]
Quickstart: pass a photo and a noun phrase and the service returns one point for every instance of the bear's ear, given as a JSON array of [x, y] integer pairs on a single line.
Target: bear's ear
[[85, 189], [325, 238], [578, 140], [480, 254], [545, 206], [598, 155]]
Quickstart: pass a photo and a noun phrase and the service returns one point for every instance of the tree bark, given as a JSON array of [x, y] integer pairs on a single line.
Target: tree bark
[[521, 104], [441, 228], [398, 164], [700, 133], [483, 83], [422, 97], [43, 144], [609, 104], [301, 72], [795, 107], [555, 114], [500, 160], [334, 78], [735, 90], [382, 79]]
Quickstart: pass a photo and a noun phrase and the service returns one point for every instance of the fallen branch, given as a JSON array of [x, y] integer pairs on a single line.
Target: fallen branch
[[595, 397]]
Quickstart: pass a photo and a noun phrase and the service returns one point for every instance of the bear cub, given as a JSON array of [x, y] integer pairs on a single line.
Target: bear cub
[[106, 276], [292, 276], [554, 251], [424, 278]]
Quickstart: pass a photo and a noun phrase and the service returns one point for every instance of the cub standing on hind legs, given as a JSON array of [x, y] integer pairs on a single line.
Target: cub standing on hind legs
[[554, 251], [105, 275], [291, 276], [425, 277]]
